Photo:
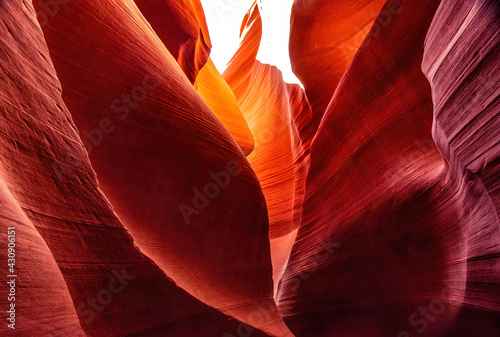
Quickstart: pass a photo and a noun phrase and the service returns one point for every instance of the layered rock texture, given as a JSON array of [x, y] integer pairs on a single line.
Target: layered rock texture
[[399, 229], [79, 271], [144, 193], [181, 26], [277, 137]]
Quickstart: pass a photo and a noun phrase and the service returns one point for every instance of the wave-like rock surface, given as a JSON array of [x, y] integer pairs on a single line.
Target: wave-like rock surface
[[29, 294], [186, 30], [171, 170], [182, 27], [324, 37], [394, 230], [153, 196], [462, 63], [277, 138], [79, 272], [219, 97], [241, 64]]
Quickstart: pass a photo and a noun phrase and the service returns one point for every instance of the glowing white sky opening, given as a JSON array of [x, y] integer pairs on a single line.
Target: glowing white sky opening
[[224, 21]]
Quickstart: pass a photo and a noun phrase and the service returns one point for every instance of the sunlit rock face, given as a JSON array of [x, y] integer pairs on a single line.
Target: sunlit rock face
[[324, 37], [187, 39], [270, 107], [151, 195], [219, 97], [240, 66]]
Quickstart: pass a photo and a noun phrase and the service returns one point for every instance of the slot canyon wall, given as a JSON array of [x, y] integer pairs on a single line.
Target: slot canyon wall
[[145, 192]]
